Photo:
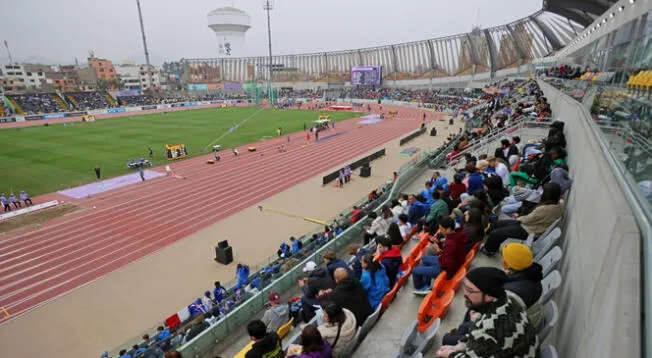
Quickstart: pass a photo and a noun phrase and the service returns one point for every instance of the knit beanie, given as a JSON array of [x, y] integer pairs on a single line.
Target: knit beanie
[[517, 256], [489, 280]]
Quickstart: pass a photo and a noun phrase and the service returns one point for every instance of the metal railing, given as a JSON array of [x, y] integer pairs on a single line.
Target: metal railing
[[217, 333]]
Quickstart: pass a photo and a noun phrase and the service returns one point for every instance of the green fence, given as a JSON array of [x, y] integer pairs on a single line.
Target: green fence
[[205, 341]]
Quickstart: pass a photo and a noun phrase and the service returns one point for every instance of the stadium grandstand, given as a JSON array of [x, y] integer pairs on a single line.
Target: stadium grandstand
[[532, 216]]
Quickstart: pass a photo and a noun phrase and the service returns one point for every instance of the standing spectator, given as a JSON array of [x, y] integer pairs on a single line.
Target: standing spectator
[[207, 301], [150, 152], [5, 202], [499, 326], [378, 227], [242, 273], [219, 292], [15, 201], [374, 280], [266, 344], [347, 174], [277, 314], [141, 172], [97, 171], [25, 197]]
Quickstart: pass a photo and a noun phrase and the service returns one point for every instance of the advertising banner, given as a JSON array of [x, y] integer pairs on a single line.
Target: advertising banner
[[147, 108], [197, 86], [7, 120], [176, 105], [132, 109], [192, 104], [54, 116], [33, 118], [75, 114], [164, 106], [115, 110]]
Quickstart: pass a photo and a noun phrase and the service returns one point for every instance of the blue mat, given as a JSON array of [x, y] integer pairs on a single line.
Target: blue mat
[[409, 151], [330, 136]]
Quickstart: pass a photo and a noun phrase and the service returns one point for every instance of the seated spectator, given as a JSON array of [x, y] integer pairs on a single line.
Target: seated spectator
[[312, 345], [198, 326], [297, 245], [521, 197], [427, 193], [449, 259], [318, 280], [417, 210], [394, 234], [349, 293], [495, 190], [356, 265], [473, 219], [387, 214], [266, 344], [196, 307], [538, 167], [498, 325], [537, 222], [457, 188], [500, 168], [397, 209], [339, 327], [277, 314], [284, 250], [162, 334], [390, 257], [378, 227], [242, 274], [332, 262], [403, 226], [356, 213], [438, 210], [476, 181], [439, 181], [524, 279], [374, 280], [403, 200]]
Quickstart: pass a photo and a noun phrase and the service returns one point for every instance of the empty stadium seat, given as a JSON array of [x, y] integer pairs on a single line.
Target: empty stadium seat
[[550, 317], [550, 260], [370, 322], [541, 247], [414, 343], [549, 352], [550, 283], [432, 308], [285, 328]]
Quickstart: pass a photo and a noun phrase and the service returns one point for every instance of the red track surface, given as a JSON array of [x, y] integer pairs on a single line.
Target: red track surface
[[126, 224]]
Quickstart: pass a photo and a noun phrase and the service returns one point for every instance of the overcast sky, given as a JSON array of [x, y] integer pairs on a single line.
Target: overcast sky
[[59, 30]]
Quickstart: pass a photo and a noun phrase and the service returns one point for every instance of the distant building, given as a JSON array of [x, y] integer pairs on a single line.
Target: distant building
[[135, 77], [103, 68]]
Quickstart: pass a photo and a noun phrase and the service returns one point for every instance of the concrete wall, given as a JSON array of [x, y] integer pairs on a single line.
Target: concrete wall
[[600, 297]]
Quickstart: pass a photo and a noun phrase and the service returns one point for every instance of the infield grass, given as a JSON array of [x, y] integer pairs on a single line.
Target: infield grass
[[44, 159]]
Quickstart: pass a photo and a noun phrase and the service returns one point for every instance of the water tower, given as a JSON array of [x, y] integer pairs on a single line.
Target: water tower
[[230, 25]]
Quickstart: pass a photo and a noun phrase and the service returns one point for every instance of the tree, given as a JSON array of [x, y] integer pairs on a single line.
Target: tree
[[102, 84], [116, 82]]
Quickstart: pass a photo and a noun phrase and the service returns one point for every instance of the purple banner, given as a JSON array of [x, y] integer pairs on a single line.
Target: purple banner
[[234, 86]]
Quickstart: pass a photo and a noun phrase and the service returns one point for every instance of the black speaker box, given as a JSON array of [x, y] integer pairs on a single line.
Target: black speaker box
[[223, 244], [365, 172], [224, 255]]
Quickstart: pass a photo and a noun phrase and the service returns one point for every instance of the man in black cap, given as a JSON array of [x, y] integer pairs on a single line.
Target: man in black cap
[[499, 324]]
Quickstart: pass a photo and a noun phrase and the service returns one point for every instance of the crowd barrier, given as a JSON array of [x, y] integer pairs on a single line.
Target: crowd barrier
[[207, 339], [38, 117], [355, 165], [411, 136]]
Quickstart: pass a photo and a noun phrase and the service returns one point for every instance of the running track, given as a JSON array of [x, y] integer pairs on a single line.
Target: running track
[[126, 224]]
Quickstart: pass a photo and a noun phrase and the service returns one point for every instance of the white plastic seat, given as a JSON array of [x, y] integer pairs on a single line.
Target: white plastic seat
[[409, 334], [426, 339], [350, 346], [550, 283], [549, 352], [370, 322], [550, 318], [545, 243], [550, 260]]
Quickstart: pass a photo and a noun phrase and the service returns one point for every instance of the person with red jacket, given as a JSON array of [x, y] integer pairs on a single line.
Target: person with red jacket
[[450, 259], [390, 257], [355, 214]]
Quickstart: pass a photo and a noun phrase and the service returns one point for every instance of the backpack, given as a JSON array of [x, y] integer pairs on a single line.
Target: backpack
[[536, 165]]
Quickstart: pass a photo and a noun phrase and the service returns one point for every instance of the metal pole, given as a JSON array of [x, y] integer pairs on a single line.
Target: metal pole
[[268, 7], [142, 32], [11, 60]]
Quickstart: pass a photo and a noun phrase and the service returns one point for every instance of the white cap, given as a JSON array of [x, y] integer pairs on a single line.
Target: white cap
[[310, 266]]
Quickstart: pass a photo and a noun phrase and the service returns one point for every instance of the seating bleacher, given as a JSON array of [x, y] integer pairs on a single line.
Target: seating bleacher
[[141, 100], [84, 101], [35, 103], [550, 317]]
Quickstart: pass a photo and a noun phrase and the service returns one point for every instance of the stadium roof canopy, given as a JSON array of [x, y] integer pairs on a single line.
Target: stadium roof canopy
[[581, 11]]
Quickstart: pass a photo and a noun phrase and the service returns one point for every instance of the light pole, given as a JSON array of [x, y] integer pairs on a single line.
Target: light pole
[[268, 5], [142, 32]]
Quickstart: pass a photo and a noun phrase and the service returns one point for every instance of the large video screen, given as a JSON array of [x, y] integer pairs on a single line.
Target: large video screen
[[366, 75]]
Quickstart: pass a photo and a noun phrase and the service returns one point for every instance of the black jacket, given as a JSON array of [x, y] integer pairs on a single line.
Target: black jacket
[[196, 329], [335, 264], [350, 294], [318, 280], [527, 284], [270, 344]]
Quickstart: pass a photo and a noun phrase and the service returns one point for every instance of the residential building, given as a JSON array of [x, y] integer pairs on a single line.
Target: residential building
[[103, 68], [134, 77]]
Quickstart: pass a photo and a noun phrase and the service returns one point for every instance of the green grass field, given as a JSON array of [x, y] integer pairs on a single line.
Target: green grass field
[[45, 159]]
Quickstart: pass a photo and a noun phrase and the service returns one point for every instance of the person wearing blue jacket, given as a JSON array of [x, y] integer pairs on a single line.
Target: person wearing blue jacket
[[374, 280], [284, 250], [219, 292], [439, 181], [416, 210], [427, 193], [297, 245], [356, 263], [333, 263], [242, 273], [476, 181]]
